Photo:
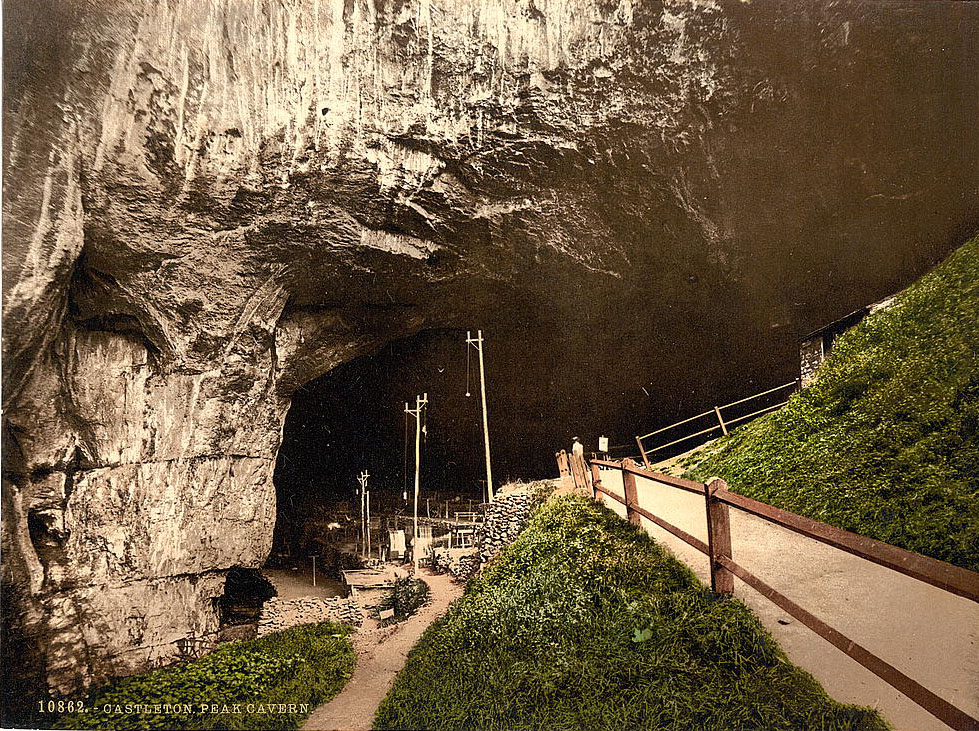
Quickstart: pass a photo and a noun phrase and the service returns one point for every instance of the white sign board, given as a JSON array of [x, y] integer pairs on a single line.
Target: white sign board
[[603, 444]]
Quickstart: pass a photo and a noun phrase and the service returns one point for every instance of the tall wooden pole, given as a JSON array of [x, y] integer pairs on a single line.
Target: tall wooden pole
[[478, 342], [420, 403], [365, 511]]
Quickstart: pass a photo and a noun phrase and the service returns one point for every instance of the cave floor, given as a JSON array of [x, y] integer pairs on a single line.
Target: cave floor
[[295, 584], [381, 653]]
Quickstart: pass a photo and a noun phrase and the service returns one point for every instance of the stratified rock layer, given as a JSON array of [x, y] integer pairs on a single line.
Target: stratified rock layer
[[207, 203]]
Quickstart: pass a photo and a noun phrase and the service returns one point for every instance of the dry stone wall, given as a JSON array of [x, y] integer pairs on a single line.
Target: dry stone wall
[[505, 518], [279, 614]]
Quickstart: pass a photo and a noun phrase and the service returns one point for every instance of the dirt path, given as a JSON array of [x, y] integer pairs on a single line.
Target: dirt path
[[926, 633], [381, 653]]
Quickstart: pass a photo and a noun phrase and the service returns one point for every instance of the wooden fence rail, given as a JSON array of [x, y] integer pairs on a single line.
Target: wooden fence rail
[[716, 412], [718, 501]]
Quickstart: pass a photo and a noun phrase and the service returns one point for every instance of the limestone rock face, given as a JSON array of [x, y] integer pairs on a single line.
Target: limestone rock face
[[208, 203]]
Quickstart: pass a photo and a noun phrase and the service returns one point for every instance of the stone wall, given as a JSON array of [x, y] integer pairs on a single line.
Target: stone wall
[[506, 517], [279, 614]]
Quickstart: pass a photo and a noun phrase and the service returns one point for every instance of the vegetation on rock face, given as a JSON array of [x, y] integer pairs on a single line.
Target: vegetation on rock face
[[884, 441], [540, 491], [242, 684], [585, 623]]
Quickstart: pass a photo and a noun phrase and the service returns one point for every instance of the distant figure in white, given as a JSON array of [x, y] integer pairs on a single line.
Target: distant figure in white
[[578, 449]]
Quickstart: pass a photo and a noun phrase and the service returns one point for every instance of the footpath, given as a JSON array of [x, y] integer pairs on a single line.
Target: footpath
[[381, 653], [928, 634]]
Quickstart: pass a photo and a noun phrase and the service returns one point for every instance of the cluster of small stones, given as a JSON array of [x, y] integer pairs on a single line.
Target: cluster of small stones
[[279, 614]]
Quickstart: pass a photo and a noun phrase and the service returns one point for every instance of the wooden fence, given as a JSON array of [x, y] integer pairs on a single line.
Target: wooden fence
[[718, 501], [717, 414], [574, 466]]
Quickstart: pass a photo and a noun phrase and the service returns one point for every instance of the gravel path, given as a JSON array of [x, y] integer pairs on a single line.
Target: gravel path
[[381, 653], [928, 634]]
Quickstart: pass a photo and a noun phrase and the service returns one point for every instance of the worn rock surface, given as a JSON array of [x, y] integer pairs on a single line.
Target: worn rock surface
[[207, 203]]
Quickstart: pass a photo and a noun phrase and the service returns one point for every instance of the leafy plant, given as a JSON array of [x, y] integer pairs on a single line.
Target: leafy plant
[[303, 665], [406, 597], [639, 635]]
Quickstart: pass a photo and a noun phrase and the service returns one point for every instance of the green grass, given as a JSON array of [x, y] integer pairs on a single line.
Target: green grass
[[307, 664], [884, 442], [585, 623]]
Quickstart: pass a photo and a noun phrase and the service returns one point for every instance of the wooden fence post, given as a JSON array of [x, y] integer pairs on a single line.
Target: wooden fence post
[[578, 471], [562, 463], [721, 420], [596, 481], [718, 538], [631, 493], [642, 451]]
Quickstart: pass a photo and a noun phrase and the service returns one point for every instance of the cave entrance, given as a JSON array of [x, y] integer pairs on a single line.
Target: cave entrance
[[352, 419]]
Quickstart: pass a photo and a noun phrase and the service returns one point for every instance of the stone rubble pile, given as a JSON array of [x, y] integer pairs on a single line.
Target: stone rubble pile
[[506, 517], [279, 614]]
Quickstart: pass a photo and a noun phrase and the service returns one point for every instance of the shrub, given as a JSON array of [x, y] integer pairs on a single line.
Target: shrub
[[585, 623], [540, 491], [406, 597], [307, 664]]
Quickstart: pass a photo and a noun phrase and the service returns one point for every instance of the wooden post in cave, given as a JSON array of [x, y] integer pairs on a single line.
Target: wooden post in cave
[[420, 403], [365, 512], [477, 342]]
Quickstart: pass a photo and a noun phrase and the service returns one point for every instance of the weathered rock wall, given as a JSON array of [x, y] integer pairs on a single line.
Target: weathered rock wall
[[280, 614], [207, 203]]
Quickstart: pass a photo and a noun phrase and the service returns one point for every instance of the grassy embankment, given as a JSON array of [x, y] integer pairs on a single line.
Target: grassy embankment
[[307, 664], [584, 622], [884, 442]]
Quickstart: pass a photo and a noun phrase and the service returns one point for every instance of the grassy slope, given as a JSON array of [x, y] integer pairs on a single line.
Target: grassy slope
[[546, 638], [307, 664], [884, 442]]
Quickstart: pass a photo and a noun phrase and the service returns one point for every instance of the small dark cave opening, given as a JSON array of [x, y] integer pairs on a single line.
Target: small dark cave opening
[[245, 590]]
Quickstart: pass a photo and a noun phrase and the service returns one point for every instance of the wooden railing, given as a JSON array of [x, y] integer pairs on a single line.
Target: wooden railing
[[718, 501], [716, 413]]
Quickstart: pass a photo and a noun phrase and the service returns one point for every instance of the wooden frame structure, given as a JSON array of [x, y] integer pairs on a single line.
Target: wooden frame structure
[[717, 413]]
